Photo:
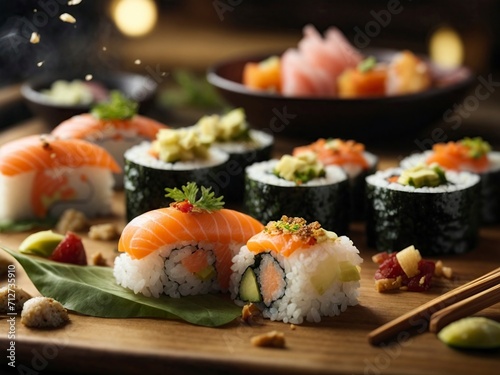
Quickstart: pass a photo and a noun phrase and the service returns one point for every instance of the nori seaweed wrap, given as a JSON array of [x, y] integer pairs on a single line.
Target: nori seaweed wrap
[[325, 199], [147, 177], [437, 220]]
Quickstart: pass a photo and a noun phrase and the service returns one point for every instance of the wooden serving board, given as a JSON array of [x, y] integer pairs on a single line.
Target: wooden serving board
[[335, 346]]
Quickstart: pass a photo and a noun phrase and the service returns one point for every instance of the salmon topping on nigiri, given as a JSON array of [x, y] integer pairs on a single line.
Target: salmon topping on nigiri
[[336, 151], [288, 235], [470, 154], [43, 152]]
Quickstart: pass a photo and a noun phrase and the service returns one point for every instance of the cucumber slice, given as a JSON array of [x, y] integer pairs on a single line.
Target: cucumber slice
[[249, 288], [41, 243]]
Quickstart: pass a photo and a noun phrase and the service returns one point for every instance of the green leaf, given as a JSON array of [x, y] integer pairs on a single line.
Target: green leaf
[[206, 202], [93, 291], [26, 225], [118, 107], [367, 64]]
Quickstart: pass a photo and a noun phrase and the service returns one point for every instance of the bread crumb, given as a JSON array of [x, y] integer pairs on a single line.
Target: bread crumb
[[103, 232], [19, 295], [98, 260], [43, 312], [72, 221], [66, 17], [249, 312], [293, 327], [383, 285], [438, 269], [273, 339], [35, 38]]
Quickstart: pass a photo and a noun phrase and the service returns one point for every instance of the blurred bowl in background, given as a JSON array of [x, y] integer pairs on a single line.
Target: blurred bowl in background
[[139, 88], [363, 119]]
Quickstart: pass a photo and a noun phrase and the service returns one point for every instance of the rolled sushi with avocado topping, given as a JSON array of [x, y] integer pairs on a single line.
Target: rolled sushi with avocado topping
[[472, 155], [295, 271], [435, 210], [352, 157], [176, 157], [231, 133], [298, 186]]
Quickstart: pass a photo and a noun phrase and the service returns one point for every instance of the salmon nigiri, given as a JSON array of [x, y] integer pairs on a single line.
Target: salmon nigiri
[[114, 125], [41, 176], [190, 244]]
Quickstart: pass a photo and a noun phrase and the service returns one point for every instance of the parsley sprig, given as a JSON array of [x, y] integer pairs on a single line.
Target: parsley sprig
[[117, 108], [189, 198]]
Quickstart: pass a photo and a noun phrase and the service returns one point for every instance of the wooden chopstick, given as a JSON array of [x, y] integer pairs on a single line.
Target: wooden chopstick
[[408, 321], [464, 308]]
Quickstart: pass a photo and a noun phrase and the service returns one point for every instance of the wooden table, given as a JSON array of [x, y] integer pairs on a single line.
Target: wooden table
[[335, 346]]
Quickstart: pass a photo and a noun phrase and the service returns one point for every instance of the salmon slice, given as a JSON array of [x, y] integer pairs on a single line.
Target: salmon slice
[[284, 244], [196, 262], [86, 126], [153, 230], [455, 156], [345, 152], [42, 152], [272, 280]]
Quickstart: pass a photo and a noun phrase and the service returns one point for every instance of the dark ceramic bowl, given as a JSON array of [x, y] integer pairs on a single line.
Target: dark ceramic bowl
[[141, 89], [362, 119]]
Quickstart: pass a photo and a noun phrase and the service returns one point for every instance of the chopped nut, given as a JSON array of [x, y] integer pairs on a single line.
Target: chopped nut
[[103, 232], [98, 260], [89, 77], [273, 339], [35, 38], [66, 17], [249, 312], [438, 270], [72, 221], [447, 272], [379, 258], [20, 297], [383, 285], [293, 327]]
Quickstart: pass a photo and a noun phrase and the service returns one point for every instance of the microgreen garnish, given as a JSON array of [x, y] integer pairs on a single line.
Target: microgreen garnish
[[186, 199], [118, 107], [477, 147], [367, 64]]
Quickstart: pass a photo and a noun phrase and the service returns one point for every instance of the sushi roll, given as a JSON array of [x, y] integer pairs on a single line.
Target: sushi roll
[[353, 159], [472, 155], [176, 157], [245, 146], [41, 176], [293, 271], [437, 211], [184, 249], [298, 186], [113, 125]]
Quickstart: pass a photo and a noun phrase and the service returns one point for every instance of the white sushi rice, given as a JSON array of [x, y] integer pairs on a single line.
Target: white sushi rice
[[456, 181], [419, 158], [301, 301], [140, 155], [263, 172], [92, 194], [162, 272], [259, 140]]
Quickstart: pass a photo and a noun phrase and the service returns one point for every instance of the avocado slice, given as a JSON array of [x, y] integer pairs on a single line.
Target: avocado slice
[[206, 273], [249, 288], [348, 272], [41, 243]]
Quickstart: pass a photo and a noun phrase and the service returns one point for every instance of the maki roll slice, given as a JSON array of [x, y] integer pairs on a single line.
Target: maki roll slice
[[113, 125], [472, 155], [298, 186], [41, 176], [176, 157], [184, 249], [353, 159], [295, 271], [437, 211], [245, 146]]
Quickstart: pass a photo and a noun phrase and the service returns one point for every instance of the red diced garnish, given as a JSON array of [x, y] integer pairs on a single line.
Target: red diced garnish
[[184, 206], [390, 268], [422, 281], [70, 250]]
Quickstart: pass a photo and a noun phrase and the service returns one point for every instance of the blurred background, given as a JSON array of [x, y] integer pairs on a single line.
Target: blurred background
[[159, 37]]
